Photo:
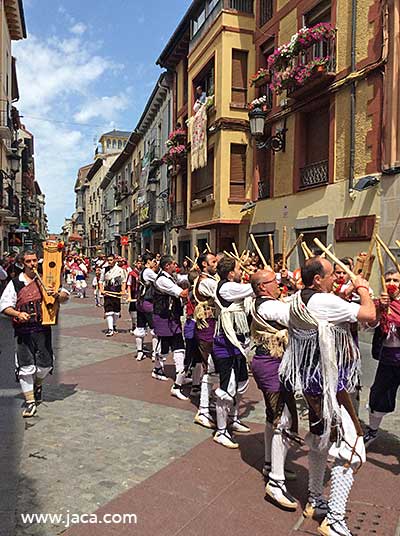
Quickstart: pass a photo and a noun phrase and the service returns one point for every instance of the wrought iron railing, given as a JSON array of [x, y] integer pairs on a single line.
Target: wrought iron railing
[[263, 190], [245, 6], [314, 174], [178, 218], [266, 11], [323, 49]]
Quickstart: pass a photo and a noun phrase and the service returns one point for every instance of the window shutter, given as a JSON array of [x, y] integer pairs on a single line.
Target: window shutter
[[203, 178], [238, 171], [239, 77]]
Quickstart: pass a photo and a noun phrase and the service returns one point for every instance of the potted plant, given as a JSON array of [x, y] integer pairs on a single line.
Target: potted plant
[[260, 78]]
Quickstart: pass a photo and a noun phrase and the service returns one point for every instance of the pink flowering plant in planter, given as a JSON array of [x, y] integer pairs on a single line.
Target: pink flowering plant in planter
[[297, 76], [174, 154], [262, 75], [176, 137], [299, 42]]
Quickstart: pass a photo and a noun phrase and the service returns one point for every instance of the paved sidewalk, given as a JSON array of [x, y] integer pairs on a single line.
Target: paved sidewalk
[[109, 439]]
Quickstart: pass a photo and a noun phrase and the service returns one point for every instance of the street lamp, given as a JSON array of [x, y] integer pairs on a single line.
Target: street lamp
[[257, 122], [14, 160]]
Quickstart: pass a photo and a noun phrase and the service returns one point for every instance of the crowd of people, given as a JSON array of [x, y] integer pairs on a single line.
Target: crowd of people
[[223, 317]]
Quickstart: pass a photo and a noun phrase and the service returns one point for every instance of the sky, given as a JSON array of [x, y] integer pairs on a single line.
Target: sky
[[86, 67]]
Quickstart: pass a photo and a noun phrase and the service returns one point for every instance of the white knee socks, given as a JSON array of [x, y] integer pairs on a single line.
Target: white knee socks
[[342, 479], [110, 321], [222, 410], [375, 419], [317, 459], [279, 450], [179, 358]]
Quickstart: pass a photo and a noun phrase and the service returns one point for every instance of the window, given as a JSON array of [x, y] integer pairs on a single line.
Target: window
[[108, 144], [203, 178], [205, 79], [315, 151], [203, 12], [238, 171], [239, 77], [266, 11], [119, 144], [320, 13], [114, 144]]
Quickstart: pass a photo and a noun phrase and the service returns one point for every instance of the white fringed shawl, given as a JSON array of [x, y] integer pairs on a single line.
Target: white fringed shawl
[[232, 321], [337, 352]]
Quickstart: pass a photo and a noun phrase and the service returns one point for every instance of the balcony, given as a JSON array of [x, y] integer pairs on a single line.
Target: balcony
[[5, 121], [178, 218], [244, 6], [322, 75], [305, 64], [266, 11], [313, 175], [208, 13]]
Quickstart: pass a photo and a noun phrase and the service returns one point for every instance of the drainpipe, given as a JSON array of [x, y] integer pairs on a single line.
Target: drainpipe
[[353, 100]]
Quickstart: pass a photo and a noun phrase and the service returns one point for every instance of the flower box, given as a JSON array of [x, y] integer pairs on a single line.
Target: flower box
[[260, 78]]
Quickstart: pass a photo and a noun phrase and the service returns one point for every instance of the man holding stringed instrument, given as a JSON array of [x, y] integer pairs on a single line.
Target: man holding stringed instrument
[[22, 301]]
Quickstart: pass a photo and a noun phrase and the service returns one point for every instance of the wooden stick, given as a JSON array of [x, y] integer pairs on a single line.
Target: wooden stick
[[335, 259], [298, 241], [381, 266], [271, 251], [235, 249], [284, 231], [388, 252], [208, 247], [189, 259], [256, 247], [196, 252], [327, 247], [237, 259], [398, 243], [305, 250]]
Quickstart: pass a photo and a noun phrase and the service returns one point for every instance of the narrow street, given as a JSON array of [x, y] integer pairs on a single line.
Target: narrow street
[[108, 439]]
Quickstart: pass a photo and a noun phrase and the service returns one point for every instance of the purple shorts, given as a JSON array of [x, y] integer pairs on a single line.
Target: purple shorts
[[223, 348], [144, 307], [266, 373], [166, 327], [188, 328], [206, 334]]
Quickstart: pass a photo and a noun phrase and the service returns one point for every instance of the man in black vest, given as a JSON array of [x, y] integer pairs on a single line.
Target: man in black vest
[[21, 301], [167, 312]]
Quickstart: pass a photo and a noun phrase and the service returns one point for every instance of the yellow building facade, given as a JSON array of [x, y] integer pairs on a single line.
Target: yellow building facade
[[331, 128]]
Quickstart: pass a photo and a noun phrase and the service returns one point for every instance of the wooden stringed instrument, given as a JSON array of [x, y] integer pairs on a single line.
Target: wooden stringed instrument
[[50, 279]]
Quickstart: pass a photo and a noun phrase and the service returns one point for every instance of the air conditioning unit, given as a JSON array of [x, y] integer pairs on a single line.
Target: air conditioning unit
[[209, 197]]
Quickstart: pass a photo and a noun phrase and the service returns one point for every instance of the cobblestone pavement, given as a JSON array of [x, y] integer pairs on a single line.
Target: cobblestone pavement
[[110, 440]]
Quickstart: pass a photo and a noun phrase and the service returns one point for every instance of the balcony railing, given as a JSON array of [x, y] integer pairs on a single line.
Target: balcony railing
[[323, 49], [314, 174], [210, 11], [266, 11], [5, 120], [263, 190], [178, 218], [245, 6]]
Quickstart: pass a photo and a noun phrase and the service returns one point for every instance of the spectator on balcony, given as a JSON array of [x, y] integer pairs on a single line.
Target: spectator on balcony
[[201, 97]]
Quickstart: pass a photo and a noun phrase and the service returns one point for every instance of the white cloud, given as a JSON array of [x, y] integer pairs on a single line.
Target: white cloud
[[57, 82], [104, 107], [78, 29]]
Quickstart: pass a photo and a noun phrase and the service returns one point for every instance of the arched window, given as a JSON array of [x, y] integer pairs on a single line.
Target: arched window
[[114, 144], [119, 144], [108, 144]]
